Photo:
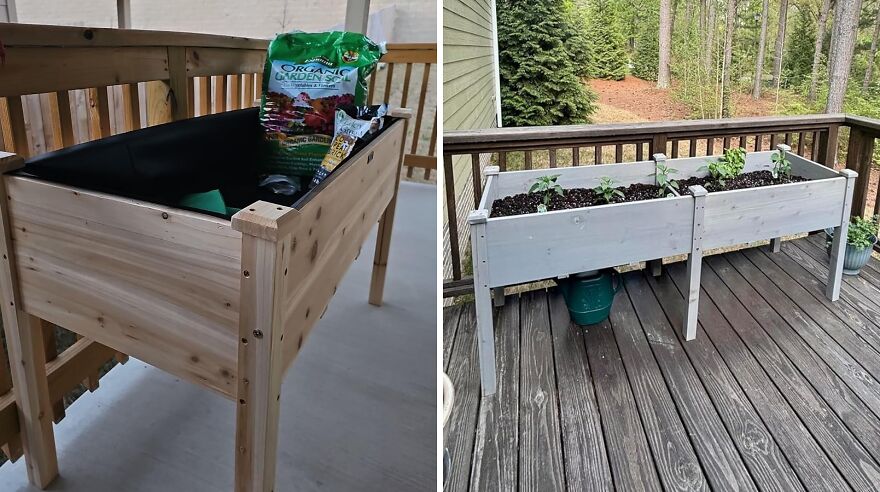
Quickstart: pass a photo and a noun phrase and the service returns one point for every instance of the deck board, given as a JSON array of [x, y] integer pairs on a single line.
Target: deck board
[[780, 390]]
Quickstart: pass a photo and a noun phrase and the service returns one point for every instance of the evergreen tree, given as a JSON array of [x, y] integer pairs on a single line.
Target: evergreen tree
[[798, 60], [539, 83], [576, 43], [607, 46], [646, 57]]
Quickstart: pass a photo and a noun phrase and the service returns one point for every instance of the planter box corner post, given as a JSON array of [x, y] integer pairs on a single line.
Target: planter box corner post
[[838, 246], [483, 300]]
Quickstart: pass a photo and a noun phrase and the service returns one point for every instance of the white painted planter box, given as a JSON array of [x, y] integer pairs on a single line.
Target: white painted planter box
[[526, 248]]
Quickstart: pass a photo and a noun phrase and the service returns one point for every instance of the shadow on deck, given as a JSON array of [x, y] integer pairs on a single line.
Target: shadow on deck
[[778, 391]]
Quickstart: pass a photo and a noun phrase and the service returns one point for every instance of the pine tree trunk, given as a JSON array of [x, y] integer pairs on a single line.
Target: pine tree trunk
[[762, 44], [780, 42], [873, 53], [728, 55], [665, 44], [845, 29], [817, 48], [710, 37]]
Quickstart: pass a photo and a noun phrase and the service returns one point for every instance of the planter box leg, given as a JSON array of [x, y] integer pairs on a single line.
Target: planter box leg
[[264, 262], [498, 296], [694, 264], [838, 246], [656, 267], [483, 301], [27, 357], [776, 245]]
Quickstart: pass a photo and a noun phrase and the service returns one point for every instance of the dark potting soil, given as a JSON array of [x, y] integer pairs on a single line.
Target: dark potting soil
[[527, 203], [754, 179]]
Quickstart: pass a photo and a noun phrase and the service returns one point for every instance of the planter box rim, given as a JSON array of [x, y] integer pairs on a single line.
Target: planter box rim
[[602, 206]]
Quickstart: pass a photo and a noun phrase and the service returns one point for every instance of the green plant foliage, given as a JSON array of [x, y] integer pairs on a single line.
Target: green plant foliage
[[646, 57], [608, 58], [797, 62], [862, 232], [546, 185], [576, 42], [728, 166], [539, 82], [666, 183], [607, 189], [781, 164]]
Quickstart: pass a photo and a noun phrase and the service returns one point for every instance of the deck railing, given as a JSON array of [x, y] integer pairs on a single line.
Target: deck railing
[[813, 136], [61, 86]]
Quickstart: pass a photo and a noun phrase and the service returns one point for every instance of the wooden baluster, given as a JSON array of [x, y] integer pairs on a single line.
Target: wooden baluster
[[6, 143], [597, 154], [552, 158], [371, 90], [477, 176], [502, 161], [258, 85], [389, 80], [527, 157], [787, 139], [774, 139], [814, 146], [618, 153], [18, 127], [158, 102], [800, 146], [674, 149], [639, 151], [743, 141], [726, 143], [179, 82], [220, 94], [759, 141], [247, 97], [131, 107], [55, 122], [451, 216], [828, 146], [406, 79], [575, 156], [432, 147], [12, 449], [417, 129], [692, 149], [710, 146], [204, 96], [657, 145], [234, 93]]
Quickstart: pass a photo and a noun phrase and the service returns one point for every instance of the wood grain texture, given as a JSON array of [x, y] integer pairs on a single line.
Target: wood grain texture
[[676, 461], [334, 221], [540, 441], [496, 443], [768, 466], [586, 457], [122, 273], [631, 460], [804, 454], [537, 246], [465, 377]]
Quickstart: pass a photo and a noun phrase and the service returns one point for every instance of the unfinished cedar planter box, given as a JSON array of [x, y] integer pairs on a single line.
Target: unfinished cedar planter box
[[516, 249], [222, 302]]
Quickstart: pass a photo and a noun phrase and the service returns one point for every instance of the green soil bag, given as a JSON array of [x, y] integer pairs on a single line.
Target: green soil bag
[[307, 75]]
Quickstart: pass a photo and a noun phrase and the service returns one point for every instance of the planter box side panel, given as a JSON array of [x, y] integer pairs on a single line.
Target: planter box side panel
[[513, 182], [743, 216], [157, 283], [809, 169], [328, 236], [538, 246]]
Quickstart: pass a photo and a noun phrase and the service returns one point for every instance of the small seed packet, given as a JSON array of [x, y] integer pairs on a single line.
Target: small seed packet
[[353, 124]]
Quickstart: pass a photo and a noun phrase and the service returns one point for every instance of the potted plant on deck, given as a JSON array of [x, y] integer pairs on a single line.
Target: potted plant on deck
[[861, 237]]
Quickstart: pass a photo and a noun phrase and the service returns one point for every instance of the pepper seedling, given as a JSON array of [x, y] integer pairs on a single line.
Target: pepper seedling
[[546, 185], [781, 165], [607, 190], [666, 183]]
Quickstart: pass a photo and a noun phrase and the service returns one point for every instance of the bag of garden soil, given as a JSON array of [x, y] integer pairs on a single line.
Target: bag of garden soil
[[307, 75], [354, 125]]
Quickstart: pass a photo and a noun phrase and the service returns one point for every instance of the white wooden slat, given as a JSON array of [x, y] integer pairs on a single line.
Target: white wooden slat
[[743, 216], [532, 247]]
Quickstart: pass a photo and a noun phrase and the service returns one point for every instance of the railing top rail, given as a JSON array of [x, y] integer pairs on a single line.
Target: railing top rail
[[461, 141], [39, 35], [47, 36], [871, 125]]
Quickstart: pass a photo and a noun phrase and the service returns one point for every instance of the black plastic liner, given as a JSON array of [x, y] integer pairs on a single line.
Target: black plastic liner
[[161, 164]]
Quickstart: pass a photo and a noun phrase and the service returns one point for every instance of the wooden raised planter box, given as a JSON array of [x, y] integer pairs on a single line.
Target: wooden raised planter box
[[525, 248], [225, 304]]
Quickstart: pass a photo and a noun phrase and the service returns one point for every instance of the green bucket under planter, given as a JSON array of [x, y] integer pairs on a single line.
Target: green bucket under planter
[[854, 258], [589, 295]]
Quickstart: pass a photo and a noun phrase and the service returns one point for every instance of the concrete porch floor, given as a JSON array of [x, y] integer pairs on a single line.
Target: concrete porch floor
[[358, 406]]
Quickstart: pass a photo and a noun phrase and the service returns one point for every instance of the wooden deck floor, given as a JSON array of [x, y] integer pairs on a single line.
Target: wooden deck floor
[[779, 391]]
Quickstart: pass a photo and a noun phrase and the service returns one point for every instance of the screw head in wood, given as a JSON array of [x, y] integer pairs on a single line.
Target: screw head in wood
[[258, 334], [164, 215]]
